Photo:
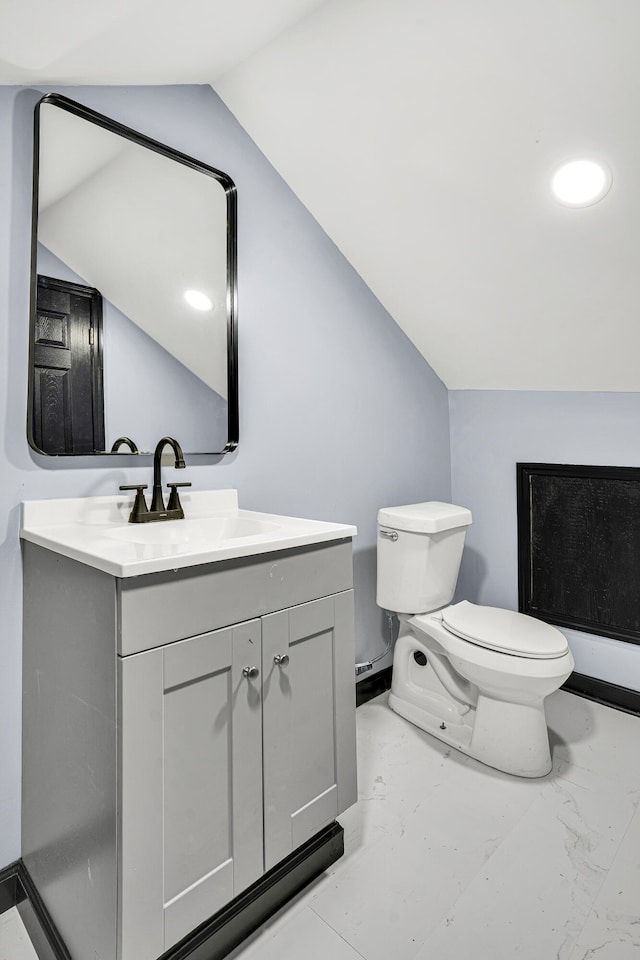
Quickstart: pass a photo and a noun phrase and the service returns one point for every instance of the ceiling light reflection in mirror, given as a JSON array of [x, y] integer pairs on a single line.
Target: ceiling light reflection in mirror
[[198, 300]]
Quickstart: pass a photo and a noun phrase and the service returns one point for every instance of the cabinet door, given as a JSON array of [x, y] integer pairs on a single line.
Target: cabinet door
[[308, 721], [191, 785]]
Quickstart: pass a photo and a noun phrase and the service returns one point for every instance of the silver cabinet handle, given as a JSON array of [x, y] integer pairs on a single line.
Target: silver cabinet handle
[[389, 535], [250, 672], [281, 659]]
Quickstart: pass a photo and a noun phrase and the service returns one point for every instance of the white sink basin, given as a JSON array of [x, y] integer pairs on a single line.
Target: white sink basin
[[212, 530], [96, 531]]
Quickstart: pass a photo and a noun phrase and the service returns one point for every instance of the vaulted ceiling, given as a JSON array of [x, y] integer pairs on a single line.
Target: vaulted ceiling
[[422, 135]]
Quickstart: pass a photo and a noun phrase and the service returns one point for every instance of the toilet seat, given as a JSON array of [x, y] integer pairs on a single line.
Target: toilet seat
[[504, 631]]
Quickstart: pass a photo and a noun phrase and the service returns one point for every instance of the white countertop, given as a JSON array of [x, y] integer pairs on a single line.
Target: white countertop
[[96, 531]]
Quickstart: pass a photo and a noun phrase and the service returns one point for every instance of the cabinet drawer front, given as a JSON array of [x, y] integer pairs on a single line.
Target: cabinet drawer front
[[160, 608]]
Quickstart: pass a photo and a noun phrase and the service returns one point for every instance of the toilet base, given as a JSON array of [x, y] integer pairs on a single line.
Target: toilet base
[[456, 735], [483, 723], [509, 737]]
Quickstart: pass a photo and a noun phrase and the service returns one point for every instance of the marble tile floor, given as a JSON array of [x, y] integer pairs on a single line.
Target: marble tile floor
[[447, 859]]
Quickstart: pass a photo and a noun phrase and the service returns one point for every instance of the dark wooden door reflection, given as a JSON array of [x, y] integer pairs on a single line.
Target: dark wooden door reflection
[[68, 399]]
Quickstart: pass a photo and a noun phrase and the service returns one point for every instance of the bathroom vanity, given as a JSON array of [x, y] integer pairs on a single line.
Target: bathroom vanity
[[189, 710]]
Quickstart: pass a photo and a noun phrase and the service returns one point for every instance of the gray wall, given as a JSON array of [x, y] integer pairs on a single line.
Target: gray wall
[[493, 430], [339, 413]]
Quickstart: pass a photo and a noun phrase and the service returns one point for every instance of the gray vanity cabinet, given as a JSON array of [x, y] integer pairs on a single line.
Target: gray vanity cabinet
[[183, 733], [203, 743]]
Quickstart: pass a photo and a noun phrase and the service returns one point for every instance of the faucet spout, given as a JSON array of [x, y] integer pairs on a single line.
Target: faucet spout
[[157, 503], [124, 441]]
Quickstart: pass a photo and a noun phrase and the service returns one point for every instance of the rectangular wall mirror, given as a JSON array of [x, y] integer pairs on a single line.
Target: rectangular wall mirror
[[133, 292]]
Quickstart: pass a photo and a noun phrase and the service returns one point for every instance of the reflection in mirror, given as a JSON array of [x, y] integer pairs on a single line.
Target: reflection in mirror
[[133, 327]]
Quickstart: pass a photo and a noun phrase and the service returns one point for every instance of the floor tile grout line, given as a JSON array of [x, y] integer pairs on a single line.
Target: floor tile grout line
[[337, 932], [605, 777]]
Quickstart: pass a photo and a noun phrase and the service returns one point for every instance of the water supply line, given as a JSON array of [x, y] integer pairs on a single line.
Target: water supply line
[[367, 665]]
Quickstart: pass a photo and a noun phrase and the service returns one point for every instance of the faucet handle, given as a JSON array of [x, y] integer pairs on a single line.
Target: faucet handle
[[139, 504], [174, 499]]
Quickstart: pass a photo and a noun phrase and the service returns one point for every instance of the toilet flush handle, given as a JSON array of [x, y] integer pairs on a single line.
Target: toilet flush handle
[[389, 534]]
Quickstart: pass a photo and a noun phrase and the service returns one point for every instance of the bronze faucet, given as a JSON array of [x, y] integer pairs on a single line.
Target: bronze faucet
[[173, 511], [124, 441]]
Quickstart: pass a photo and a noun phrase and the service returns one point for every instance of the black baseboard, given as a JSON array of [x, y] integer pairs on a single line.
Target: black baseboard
[[215, 938], [9, 887], [17, 890], [373, 685], [610, 694]]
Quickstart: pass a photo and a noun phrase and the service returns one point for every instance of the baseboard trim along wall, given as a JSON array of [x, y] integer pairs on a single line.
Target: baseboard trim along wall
[[373, 685], [610, 694]]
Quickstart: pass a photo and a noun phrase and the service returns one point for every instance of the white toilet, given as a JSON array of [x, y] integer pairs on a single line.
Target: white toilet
[[475, 677]]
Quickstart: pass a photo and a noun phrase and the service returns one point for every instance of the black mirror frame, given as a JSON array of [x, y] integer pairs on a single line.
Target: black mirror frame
[[92, 116]]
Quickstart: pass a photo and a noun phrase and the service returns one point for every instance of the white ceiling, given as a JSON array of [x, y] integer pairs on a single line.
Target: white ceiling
[[136, 41], [421, 134]]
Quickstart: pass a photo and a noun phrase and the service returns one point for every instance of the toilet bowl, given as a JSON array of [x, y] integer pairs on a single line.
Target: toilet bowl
[[475, 677]]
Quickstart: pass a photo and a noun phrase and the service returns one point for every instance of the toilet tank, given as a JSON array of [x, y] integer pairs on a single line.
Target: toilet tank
[[419, 553]]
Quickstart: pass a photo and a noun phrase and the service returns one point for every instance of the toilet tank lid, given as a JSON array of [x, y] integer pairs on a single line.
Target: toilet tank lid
[[431, 517]]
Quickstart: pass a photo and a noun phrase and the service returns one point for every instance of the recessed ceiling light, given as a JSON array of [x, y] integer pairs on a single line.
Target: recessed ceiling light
[[579, 183], [198, 300]]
